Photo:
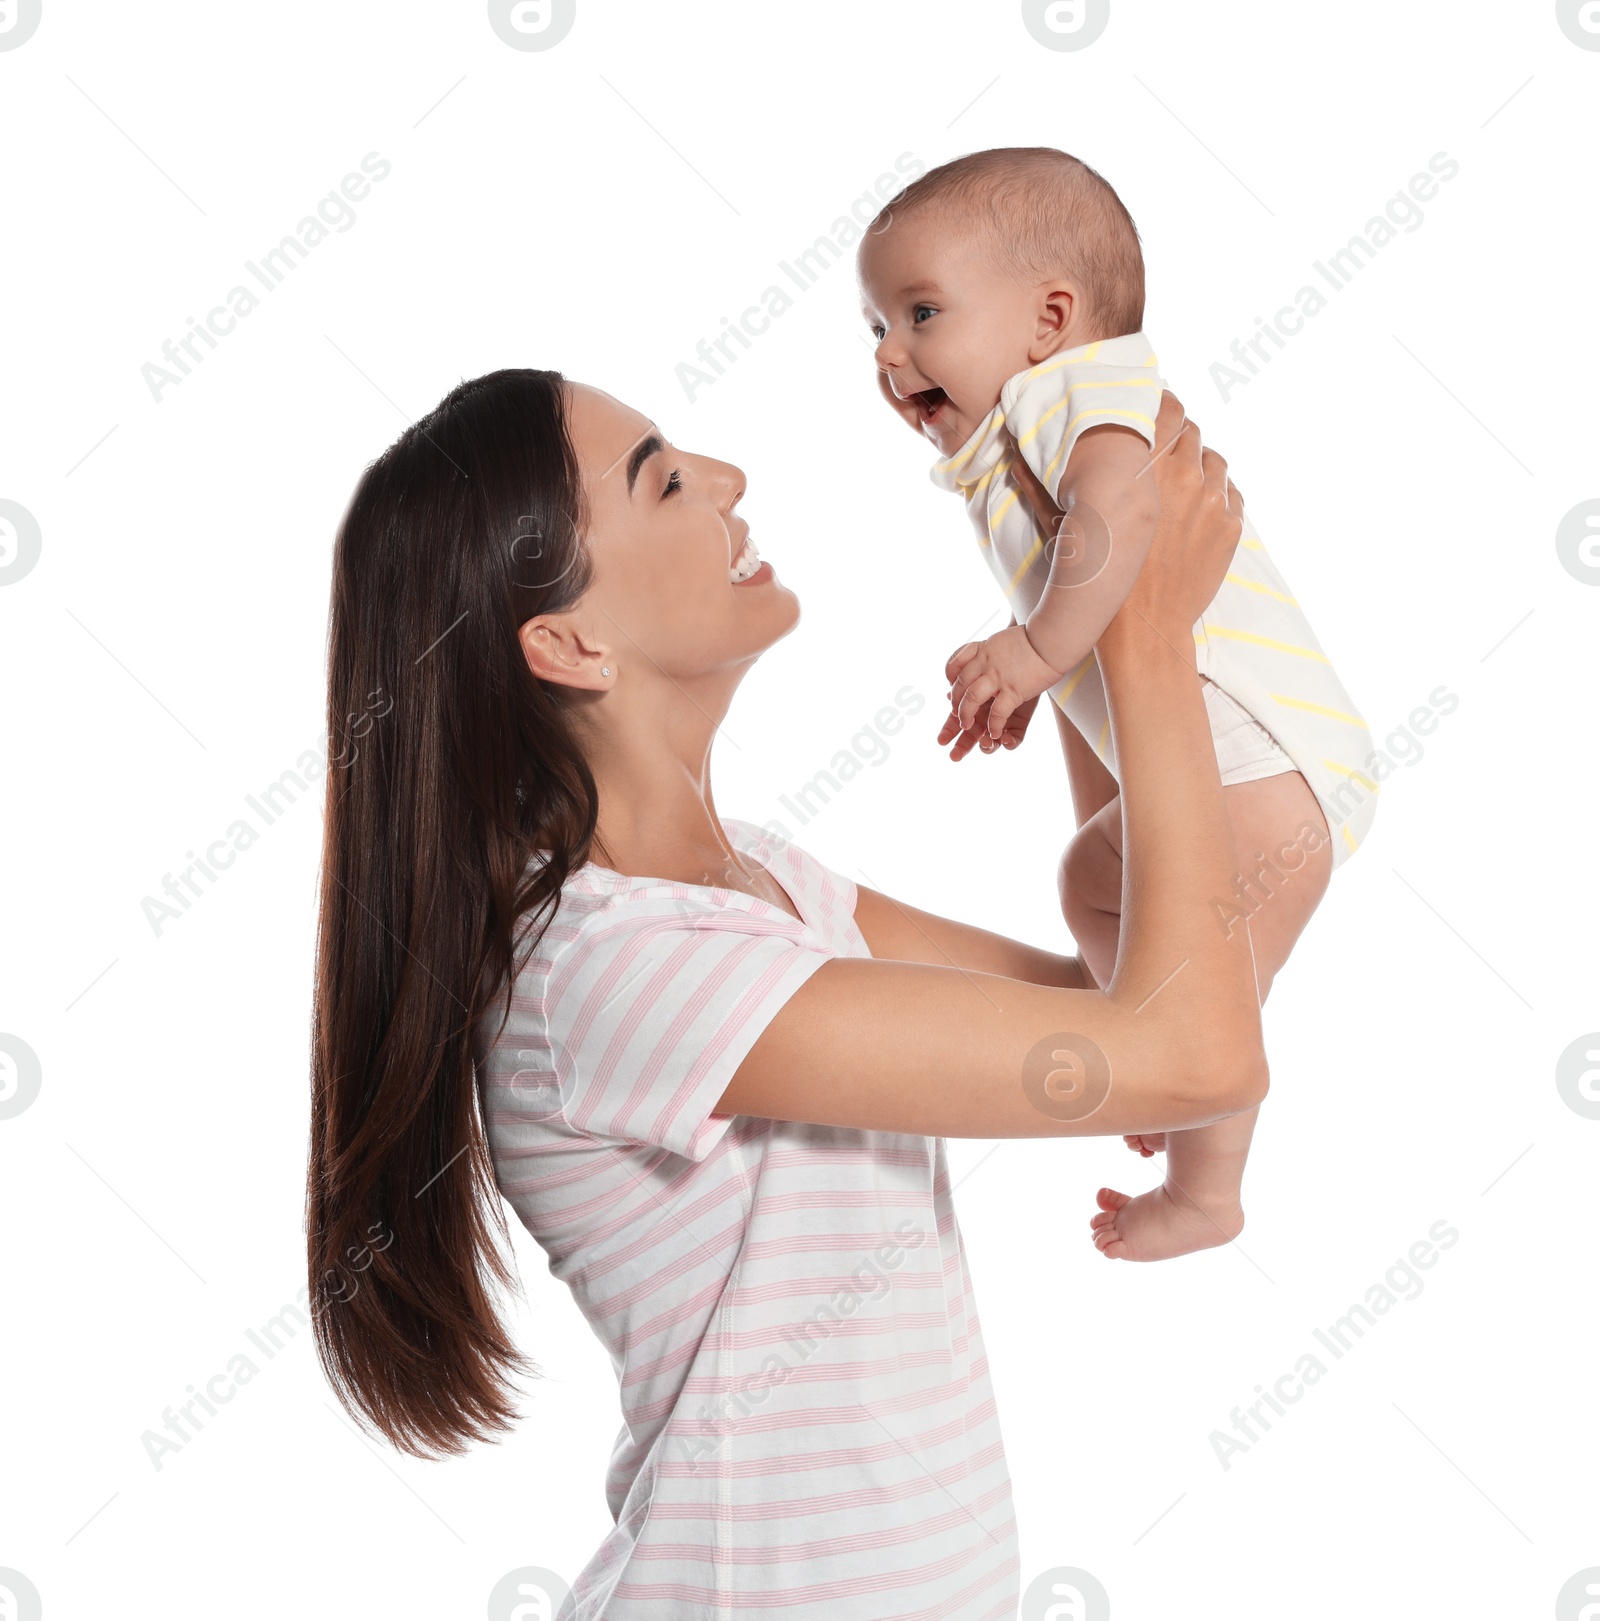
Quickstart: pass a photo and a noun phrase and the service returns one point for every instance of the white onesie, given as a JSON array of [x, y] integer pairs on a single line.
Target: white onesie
[[1274, 700]]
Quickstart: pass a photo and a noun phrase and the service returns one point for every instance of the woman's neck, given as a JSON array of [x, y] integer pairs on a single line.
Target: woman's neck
[[658, 818]]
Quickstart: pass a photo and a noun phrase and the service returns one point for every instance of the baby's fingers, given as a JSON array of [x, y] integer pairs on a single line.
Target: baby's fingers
[[1000, 713], [973, 697], [958, 660]]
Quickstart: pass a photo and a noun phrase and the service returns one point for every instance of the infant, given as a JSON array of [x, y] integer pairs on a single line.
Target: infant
[[1006, 294]]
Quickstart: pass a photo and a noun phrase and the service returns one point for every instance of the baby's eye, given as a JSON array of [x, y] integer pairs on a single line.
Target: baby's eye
[[920, 311], [877, 330]]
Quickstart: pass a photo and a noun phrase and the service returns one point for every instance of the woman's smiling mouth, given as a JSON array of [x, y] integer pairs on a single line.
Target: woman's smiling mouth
[[746, 563]]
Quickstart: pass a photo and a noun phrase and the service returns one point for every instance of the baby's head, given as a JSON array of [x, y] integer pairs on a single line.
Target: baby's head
[[986, 266]]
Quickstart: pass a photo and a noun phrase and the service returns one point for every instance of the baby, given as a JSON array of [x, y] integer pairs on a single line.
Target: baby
[[1006, 294]]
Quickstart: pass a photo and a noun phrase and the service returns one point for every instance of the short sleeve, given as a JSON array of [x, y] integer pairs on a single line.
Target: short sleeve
[[1051, 406], [649, 1008]]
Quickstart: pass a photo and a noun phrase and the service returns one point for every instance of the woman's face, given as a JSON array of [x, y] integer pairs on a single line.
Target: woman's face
[[666, 599]]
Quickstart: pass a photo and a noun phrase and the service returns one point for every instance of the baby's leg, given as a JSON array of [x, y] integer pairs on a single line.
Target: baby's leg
[[1090, 881], [1284, 857], [1284, 860]]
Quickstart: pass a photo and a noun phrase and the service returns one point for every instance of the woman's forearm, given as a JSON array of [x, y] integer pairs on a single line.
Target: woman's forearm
[[1177, 843]]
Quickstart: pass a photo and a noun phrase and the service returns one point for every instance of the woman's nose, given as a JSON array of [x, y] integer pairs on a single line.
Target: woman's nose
[[728, 483]]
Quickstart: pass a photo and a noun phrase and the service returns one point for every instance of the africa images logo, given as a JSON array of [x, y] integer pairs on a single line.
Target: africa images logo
[[20, 541], [18, 19], [1066, 25], [532, 25]]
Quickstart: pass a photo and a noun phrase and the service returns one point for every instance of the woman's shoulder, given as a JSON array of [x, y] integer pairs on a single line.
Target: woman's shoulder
[[832, 895]]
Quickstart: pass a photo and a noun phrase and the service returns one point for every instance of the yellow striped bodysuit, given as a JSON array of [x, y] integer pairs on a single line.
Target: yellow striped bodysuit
[[1253, 642]]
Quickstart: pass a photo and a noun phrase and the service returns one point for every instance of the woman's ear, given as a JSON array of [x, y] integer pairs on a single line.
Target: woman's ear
[[1057, 320], [559, 649]]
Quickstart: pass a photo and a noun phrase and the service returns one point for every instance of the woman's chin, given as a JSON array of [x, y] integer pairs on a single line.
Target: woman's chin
[[779, 606]]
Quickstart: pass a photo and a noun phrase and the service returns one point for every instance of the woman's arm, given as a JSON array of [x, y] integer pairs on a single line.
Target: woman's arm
[[953, 1051], [894, 929], [904, 933]]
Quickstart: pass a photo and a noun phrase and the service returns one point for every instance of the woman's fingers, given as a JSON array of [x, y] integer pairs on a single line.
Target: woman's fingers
[[965, 742], [1170, 418], [1190, 450], [1218, 485]]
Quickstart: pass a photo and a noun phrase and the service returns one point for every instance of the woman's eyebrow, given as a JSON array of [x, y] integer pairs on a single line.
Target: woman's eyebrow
[[642, 452]]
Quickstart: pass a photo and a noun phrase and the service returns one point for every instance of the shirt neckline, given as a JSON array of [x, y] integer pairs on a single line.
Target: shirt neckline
[[803, 917]]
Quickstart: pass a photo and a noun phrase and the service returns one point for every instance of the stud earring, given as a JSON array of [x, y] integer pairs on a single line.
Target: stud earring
[[605, 670]]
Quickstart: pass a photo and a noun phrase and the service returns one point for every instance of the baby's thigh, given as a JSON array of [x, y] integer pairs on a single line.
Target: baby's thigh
[[1091, 890], [1091, 868], [1285, 858]]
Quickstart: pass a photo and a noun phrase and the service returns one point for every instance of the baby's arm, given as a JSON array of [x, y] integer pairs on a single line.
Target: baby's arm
[[984, 727], [1108, 520], [1104, 518]]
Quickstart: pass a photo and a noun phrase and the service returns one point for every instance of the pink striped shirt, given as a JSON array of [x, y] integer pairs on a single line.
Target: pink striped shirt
[[809, 1428]]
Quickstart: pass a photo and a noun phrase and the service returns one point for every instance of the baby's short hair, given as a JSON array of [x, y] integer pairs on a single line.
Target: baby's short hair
[[1050, 214]]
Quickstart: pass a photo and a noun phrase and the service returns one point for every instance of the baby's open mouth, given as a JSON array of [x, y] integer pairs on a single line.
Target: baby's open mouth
[[929, 403]]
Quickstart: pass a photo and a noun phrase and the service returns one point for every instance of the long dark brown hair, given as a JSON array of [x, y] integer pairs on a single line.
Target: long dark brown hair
[[450, 765]]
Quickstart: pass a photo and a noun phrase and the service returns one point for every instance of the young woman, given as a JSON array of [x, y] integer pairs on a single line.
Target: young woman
[[712, 1077]]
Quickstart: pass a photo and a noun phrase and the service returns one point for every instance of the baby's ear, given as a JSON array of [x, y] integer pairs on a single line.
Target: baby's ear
[[1056, 317]]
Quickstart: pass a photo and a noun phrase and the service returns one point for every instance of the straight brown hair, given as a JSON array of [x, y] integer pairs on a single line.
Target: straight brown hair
[[450, 766]]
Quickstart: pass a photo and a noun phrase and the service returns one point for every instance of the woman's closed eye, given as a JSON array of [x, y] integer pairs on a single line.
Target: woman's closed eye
[[674, 483]]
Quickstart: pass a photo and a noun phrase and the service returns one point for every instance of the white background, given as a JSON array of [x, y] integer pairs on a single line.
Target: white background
[[599, 208]]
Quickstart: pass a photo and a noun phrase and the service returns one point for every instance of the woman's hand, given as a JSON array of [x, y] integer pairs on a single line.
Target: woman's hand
[[1197, 531]]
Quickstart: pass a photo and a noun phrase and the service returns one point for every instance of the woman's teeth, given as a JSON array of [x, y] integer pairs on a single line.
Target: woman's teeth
[[745, 564]]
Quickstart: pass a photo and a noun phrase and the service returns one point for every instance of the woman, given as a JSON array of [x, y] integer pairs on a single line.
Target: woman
[[714, 1077]]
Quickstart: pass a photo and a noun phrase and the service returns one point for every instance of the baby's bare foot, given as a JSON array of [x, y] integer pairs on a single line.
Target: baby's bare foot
[[1148, 1143], [1160, 1224]]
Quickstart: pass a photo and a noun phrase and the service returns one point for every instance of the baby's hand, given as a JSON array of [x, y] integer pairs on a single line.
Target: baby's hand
[[1000, 674], [966, 741]]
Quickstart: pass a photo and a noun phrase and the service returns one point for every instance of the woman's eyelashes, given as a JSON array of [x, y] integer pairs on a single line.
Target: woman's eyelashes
[[674, 483]]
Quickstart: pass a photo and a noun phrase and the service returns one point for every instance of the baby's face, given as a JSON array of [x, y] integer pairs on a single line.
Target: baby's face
[[951, 326]]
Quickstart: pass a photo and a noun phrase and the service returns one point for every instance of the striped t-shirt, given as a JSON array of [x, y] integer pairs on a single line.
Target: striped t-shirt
[[808, 1425]]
